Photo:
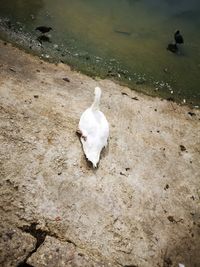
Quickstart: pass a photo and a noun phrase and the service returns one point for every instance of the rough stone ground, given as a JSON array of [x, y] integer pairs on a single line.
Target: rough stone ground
[[141, 207]]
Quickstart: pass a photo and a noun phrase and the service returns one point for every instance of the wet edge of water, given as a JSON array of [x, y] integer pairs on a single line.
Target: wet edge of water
[[110, 70]]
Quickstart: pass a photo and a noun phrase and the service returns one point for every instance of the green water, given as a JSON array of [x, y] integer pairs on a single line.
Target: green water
[[124, 40]]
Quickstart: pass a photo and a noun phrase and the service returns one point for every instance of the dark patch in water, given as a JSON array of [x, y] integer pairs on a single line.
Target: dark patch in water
[[43, 38], [172, 48], [123, 32]]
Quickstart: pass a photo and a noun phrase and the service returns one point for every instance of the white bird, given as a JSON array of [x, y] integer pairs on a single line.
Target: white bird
[[94, 130]]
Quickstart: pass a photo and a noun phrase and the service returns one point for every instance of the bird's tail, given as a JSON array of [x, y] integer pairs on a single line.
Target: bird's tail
[[97, 93]]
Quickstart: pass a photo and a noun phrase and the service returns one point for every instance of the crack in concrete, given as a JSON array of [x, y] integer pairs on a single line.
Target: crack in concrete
[[40, 236]]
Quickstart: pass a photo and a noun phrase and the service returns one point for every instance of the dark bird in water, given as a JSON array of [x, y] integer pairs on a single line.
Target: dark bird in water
[[178, 37], [174, 47], [43, 29]]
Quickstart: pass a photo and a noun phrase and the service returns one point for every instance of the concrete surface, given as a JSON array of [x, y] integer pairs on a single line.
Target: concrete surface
[[58, 253], [141, 207], [12, 249]]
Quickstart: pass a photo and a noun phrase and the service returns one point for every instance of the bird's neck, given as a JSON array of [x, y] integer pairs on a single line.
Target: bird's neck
[[95, 104]]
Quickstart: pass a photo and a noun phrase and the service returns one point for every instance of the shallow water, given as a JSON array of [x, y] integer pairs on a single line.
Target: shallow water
[[121, 39]]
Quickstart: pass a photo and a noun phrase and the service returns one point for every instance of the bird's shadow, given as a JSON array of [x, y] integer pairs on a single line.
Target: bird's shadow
[[105, 151]]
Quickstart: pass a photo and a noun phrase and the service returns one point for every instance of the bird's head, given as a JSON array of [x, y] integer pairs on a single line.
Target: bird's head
[[97, 92], [93, 157]]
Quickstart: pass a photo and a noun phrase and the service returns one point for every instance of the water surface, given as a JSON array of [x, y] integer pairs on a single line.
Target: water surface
[[121, 39]]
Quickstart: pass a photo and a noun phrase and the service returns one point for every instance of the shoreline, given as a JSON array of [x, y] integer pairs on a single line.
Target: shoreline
[[25, 43], [139, 208]]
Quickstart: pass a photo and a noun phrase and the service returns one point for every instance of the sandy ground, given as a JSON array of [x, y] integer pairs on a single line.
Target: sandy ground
[[140, 208]]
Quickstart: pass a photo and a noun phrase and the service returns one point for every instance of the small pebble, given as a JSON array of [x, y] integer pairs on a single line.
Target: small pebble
[[171, 218], [13, 70], [66, 80], [166, 187], [191, 114], [182, 148]]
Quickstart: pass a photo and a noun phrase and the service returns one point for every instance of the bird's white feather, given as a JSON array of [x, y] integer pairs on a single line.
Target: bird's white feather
[[95, 130]]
